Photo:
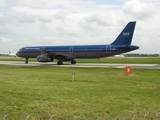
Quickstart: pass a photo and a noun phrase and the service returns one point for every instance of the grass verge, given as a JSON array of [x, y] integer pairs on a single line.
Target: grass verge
[[104, 92]]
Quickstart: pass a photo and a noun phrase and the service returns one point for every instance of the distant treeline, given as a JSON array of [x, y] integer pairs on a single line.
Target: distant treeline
[[141, 55], [4, 55]]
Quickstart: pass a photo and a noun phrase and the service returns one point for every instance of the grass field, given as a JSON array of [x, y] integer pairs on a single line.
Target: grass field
[[104, 92], [142, 60]]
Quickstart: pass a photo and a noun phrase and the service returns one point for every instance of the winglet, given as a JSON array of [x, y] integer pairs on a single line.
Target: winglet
[[125, 37]]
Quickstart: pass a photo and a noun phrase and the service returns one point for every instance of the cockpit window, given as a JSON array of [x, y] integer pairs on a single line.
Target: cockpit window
[[20, 50]]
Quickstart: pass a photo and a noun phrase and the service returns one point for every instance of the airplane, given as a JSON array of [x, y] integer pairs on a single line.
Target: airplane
[[121, 44], [12, 54]]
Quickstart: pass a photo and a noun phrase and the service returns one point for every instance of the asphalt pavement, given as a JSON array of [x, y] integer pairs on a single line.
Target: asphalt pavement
[[67, 64]]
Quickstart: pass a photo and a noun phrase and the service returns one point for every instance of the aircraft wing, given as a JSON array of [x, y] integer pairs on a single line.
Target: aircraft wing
[[58, 56]]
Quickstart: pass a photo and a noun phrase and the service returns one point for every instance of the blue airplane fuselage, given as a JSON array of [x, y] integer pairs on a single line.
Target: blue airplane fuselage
[[121, 44], [79, 51]]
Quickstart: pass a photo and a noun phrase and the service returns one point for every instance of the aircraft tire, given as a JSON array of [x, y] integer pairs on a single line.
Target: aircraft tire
[[60, 62], [73, 62], [52, 59], [26, 61]]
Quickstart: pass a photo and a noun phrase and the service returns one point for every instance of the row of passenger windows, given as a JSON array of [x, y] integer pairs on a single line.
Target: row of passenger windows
[[66, 50], [78, 50]]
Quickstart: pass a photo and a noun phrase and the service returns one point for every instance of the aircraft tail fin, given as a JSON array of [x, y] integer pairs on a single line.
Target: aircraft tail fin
[[125, 37]]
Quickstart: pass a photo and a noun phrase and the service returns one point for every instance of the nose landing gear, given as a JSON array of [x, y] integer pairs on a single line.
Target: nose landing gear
[[26, 61]]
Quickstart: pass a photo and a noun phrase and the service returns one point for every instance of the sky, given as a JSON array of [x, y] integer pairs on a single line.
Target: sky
[[78, 22]]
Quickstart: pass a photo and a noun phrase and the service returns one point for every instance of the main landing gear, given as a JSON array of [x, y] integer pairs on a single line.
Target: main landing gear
[[60, 62], [73, 62], [26, 61]]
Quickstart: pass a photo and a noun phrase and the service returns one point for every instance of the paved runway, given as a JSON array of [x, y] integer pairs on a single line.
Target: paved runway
[[67, 64]]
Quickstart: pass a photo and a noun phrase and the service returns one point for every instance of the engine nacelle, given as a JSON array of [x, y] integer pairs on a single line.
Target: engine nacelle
[[43, 58]]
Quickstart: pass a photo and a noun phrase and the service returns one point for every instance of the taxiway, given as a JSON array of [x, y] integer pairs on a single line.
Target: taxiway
[[67, 64]]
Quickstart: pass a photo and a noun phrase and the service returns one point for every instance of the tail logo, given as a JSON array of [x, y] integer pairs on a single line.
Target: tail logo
[[126, 34]]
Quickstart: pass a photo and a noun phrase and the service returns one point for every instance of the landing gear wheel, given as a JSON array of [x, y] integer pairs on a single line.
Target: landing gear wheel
[[52, 59], [26, 61], [60, 62], [73, 62]]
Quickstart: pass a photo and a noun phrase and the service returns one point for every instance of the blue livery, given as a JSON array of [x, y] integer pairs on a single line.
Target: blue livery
[[122, 44]]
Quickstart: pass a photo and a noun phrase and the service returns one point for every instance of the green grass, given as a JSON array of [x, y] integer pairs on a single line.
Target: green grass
[[129, 60], [104, 92]]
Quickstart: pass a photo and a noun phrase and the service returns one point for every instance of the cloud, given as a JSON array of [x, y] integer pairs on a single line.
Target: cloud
[[45, 19], [4, 19], [7, 41], [41, 22], [17, 17], [4, 30], [33, 10], [43, 26], [2, 2], [23, 18], [61, 15], [158, 35], [97, 19], [138, 10]]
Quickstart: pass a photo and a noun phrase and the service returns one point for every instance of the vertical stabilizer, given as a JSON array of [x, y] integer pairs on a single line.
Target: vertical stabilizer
[[125, 37]]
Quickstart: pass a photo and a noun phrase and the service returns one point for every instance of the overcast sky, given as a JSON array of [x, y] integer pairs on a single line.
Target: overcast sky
[[72, 22]]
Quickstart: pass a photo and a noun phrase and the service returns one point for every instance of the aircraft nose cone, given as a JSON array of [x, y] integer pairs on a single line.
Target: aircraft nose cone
[[17, 54]]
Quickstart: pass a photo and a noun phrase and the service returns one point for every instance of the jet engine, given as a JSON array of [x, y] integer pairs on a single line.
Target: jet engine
[[43, 58]]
